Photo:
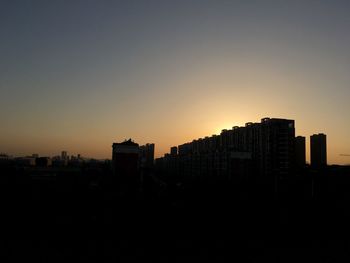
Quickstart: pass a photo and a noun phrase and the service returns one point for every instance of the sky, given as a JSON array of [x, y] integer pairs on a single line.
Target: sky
[[80, 75]]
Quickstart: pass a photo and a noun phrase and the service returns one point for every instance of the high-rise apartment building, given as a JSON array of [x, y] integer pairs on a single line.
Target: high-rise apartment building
[[277, 146], [318, 150], [300, 155], [266, 147], [173, 151], [125, 159], [147, 155]]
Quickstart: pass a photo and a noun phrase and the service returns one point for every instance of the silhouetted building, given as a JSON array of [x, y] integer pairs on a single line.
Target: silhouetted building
[[277, 146], [173, 151], [64, 155], [264, 148], [147, 155], [43, 161], [58, 162], [4, 158], [25, 161], [240, 164], [318, 150], [125, 159], [300, 155]]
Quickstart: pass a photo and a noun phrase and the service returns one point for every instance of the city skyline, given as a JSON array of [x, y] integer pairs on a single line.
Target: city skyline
[[299, 143], [159, 153], [79, 75], [174, 130]]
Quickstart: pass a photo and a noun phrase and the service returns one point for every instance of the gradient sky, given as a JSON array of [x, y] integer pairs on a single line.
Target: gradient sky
[[79, 75]]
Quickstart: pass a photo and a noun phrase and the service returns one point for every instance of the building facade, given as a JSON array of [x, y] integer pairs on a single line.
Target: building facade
[[147, 155], [318, 150], [265, 148], [300, 154], [125, 159]]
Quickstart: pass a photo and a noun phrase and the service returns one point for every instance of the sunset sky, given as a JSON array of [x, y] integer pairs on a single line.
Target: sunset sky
[[79, 75]]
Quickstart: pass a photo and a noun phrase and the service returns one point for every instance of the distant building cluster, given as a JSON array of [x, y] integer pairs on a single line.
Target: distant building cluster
[[64, 160], [318, 151], [35, 160], [266, 148]]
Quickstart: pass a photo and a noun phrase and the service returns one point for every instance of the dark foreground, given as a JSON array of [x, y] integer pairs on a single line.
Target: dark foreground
[[90, 216]]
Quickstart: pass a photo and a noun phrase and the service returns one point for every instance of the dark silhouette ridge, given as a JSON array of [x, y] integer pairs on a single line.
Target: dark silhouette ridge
[[190, 206]]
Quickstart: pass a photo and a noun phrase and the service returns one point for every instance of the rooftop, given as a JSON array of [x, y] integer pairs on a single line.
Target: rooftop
[[127, 143]]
